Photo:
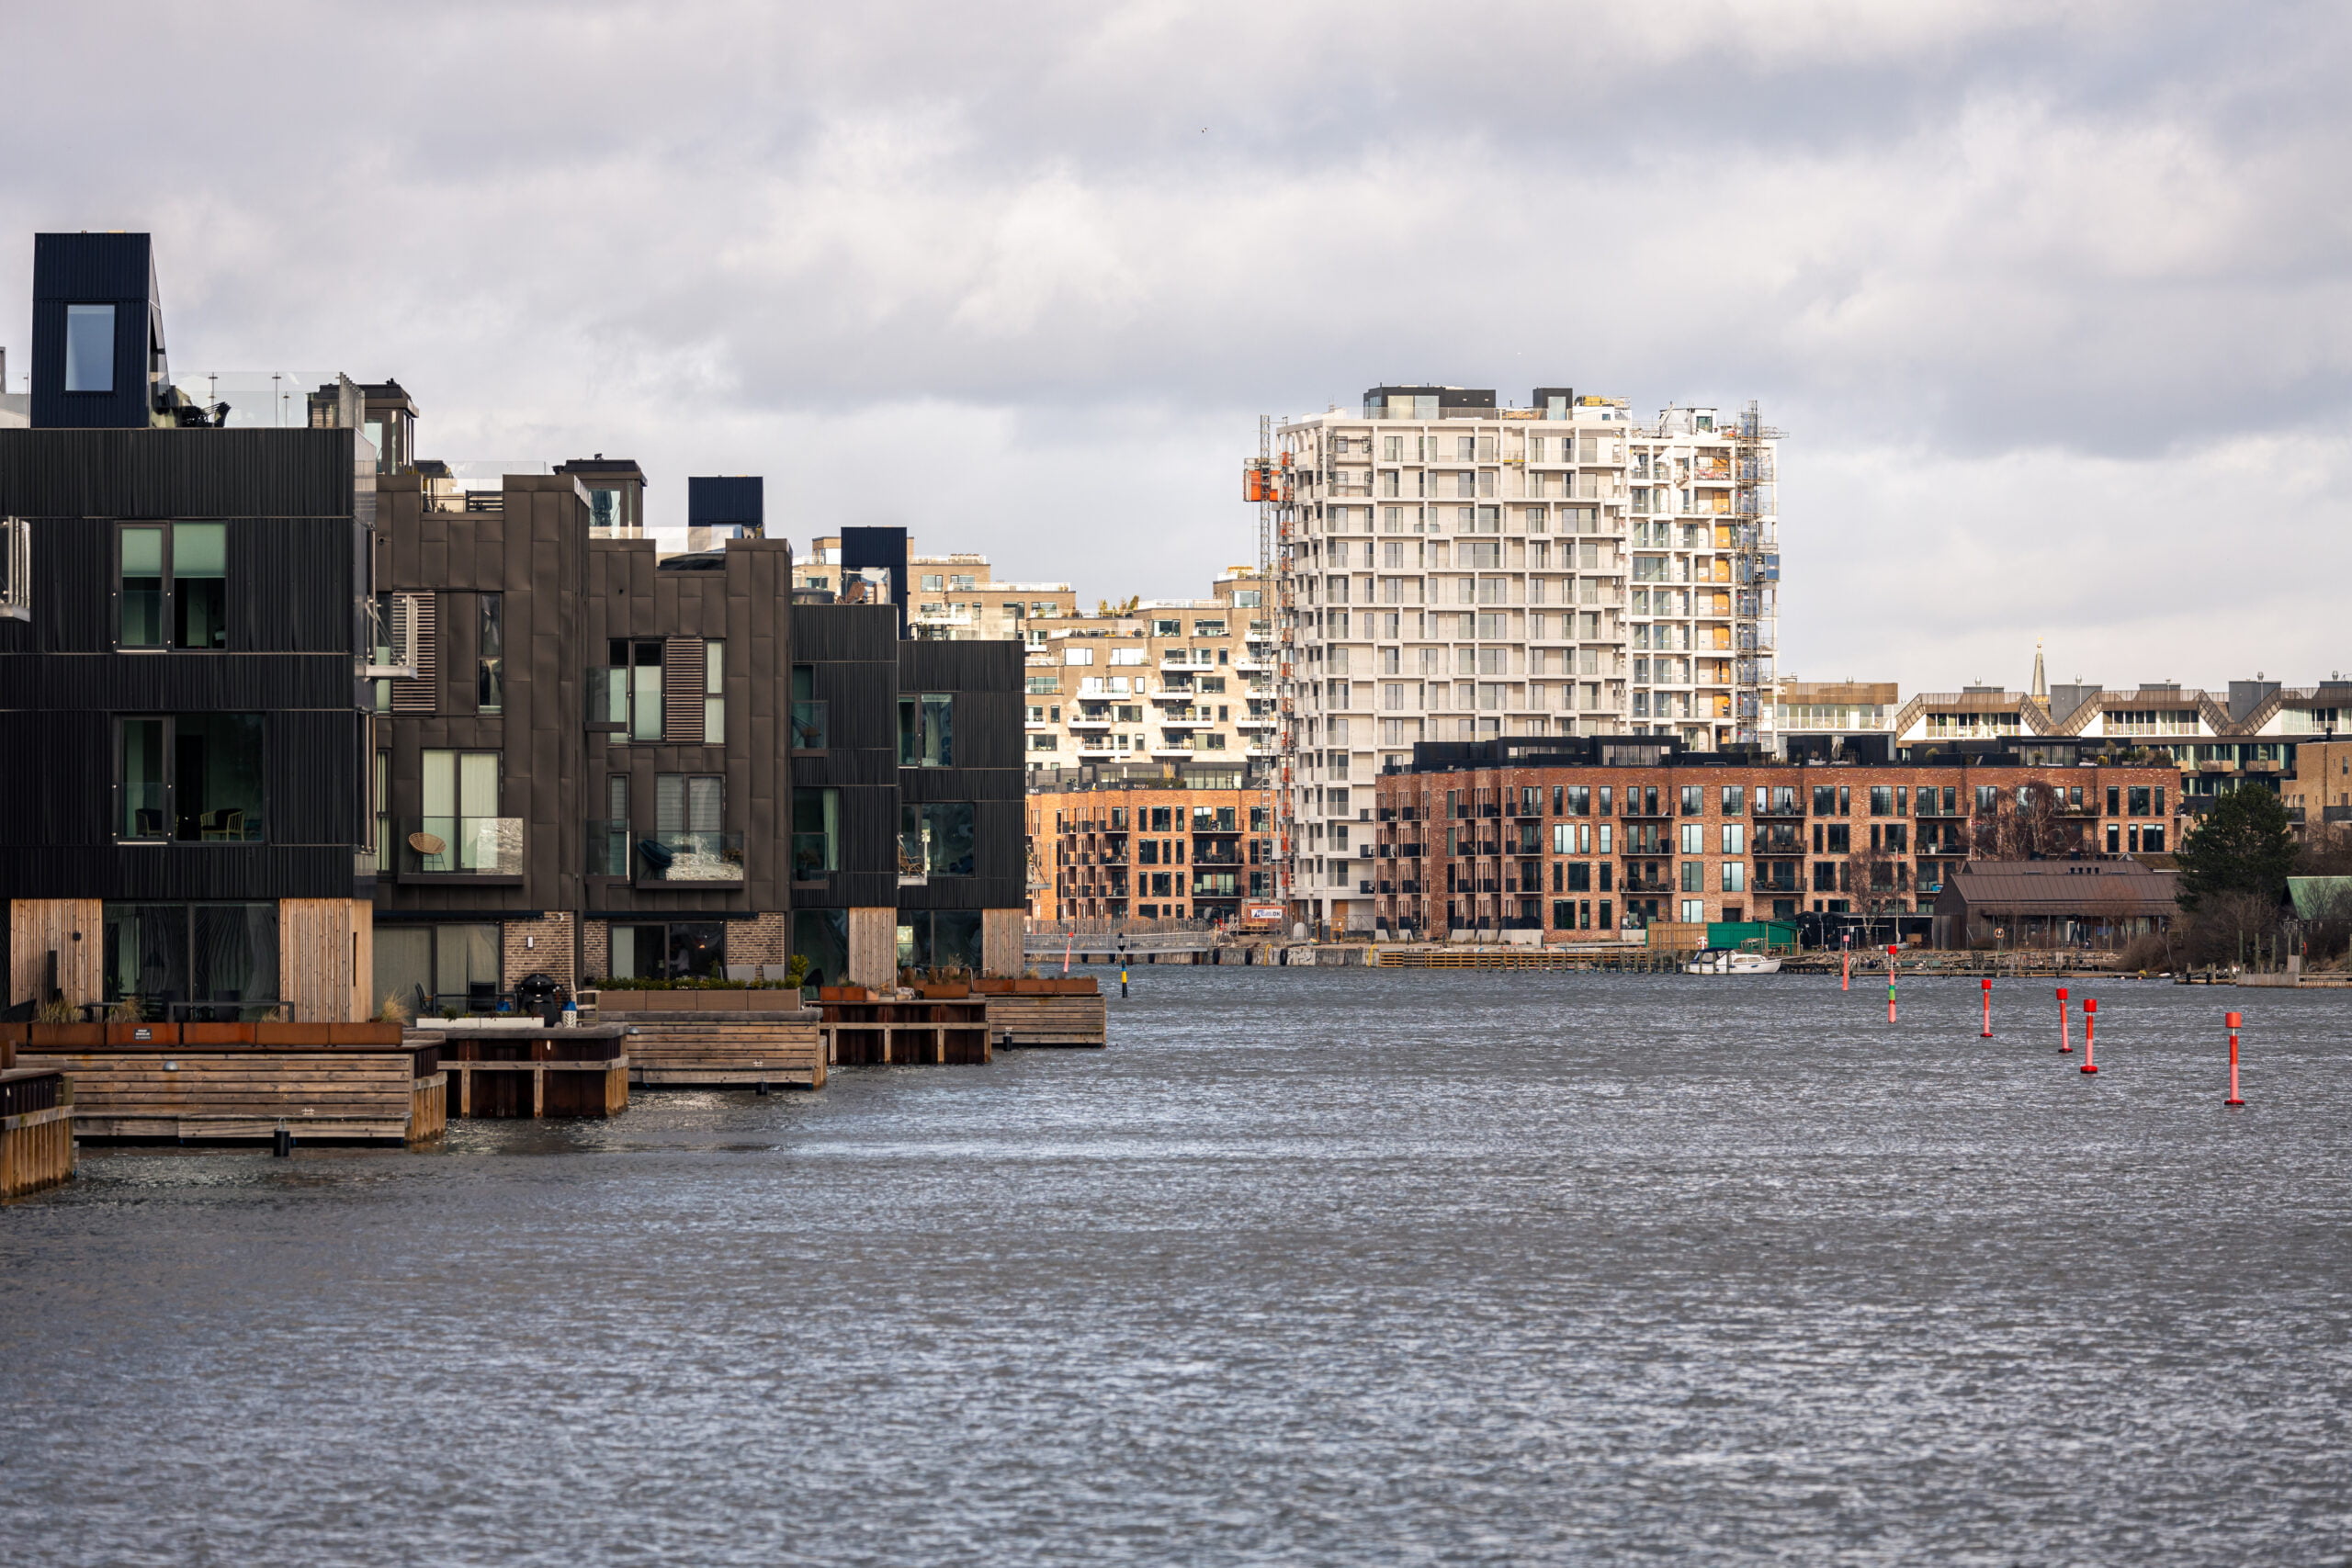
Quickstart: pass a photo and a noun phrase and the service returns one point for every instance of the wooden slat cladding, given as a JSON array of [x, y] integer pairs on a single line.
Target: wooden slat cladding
[[682, 693], [175, 473], [422, 612], [326, 959]]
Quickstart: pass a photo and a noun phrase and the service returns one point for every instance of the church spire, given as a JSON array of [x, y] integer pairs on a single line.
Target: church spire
[[2041, 684]]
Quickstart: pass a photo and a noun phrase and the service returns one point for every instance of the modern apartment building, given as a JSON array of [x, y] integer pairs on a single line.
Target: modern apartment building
[[1577, 838], [1189, 845], [1176, 681], [316, 725], [1448, 570]]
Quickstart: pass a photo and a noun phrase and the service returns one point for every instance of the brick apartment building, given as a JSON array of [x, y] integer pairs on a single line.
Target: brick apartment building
[[1578, 835], [1193, 846]]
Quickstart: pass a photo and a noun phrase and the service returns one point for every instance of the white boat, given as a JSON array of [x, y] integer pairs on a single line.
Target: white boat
[[1731, 961]]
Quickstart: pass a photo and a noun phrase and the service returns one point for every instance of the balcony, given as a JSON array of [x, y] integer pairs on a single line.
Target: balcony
[[1089, 722], [477, 850], [704, 860]]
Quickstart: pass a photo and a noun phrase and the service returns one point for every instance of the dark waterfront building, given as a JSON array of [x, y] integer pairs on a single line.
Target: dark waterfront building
[[1570, 836], [316, 726]]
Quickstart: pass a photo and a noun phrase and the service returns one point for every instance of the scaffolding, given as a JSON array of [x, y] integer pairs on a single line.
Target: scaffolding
[[1270, 480], [1756, 571]]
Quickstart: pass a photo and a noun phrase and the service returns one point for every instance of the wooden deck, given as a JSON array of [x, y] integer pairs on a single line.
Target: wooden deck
[[727, 1050], [35, 1130], [175, 1083], [529, 1073], [928, 1032], [1068, 1020]]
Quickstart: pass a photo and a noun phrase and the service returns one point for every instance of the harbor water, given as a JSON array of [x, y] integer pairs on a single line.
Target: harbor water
[[1316, 1267]]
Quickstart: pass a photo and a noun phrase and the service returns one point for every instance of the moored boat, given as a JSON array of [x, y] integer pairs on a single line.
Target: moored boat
[[1731, 961]]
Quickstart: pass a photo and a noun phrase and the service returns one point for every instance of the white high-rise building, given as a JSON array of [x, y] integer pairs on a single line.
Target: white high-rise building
[[1447, 570]]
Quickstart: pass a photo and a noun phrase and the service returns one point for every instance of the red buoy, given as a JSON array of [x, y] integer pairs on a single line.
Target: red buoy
[[2090, 1022], [1987, 984], [2065, 1047], [2233, 1099]]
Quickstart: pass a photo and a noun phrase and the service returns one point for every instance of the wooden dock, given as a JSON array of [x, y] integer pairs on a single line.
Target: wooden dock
[[726, 1049], [947, 1029], [1626, 960], [35, 1130], [500, 1071], [240, 1082], [1066, 1013]]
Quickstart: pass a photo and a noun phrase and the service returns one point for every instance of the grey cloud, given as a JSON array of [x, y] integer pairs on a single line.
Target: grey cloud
[[981, 270]]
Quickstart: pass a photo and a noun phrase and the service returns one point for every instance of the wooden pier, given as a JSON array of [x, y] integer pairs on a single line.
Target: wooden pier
[[1065, 1013], [1627, 960], [240, 1082], [35, 1130], [502, 1071], [727, 1050], [943, 1029]]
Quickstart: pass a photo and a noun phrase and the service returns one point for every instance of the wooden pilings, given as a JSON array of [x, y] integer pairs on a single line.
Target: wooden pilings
[[35, 1130], [508, 1073], [740, 1050]]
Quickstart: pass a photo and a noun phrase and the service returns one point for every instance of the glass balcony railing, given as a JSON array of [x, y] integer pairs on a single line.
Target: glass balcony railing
[[460, 846], [670, 858]]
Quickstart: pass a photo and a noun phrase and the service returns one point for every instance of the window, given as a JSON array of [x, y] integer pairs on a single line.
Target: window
[[689, 819], [209, 963], [926, 731], [1735, 877], [1735, 800], [381, 790], [627, 695], [1039, 685], [460, 799], [815, 834], [89, 349], [2138, 798], [1694, 838], [197, 778], [941, 939], [608, 835], [1694, 876], [491, 655], [430, 967], [172, 590], [1735, 838], [1077, 656], [936, 840], [1134, 655], [679, 950], [808, 714], [934, 582], [714, 694], [606, 510], [1694, 910], [1694, 800]]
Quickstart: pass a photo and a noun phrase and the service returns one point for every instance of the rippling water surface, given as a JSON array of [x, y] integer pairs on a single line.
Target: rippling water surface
[[1313, 1267]]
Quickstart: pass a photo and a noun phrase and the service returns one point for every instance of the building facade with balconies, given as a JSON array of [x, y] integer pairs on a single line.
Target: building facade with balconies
[[1449, 570], [1578, 839]]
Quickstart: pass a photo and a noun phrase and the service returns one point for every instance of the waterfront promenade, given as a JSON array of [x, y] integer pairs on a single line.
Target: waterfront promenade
[[1326, 1266]]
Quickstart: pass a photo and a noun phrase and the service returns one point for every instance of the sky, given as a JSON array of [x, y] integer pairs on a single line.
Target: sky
[[2050, 297]]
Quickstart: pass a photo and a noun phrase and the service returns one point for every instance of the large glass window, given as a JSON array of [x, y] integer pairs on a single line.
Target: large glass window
[[941, 939], [821, 936], [679, 950], [490, 681], [89, 349], [173, 585], [430, 969], [816, 832], [461, 798], [608, 835], [926, 731], [936, 840], [200, 772], [809, 710], [208, 961]]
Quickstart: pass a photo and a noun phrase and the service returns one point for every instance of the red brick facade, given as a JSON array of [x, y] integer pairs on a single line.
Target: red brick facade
[[1575, 850]]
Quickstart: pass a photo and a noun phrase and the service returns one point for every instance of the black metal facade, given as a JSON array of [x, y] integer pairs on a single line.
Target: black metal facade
[[292, 656]]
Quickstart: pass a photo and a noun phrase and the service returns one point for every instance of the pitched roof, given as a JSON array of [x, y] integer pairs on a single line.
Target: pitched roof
[[2109, 887]]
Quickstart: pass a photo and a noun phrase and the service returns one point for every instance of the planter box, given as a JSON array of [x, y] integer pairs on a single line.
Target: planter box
[[143, 1033], [843, 994], [363, 1033], [71, 1035], [216, 1033]]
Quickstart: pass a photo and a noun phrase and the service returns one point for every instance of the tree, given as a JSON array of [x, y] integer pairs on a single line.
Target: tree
[[2242, 845]]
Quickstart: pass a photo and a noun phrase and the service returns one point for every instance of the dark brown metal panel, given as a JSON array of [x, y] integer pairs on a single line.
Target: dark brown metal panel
[[175, 473]]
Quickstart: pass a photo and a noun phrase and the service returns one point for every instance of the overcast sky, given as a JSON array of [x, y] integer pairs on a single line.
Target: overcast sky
[[2050, 297]]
